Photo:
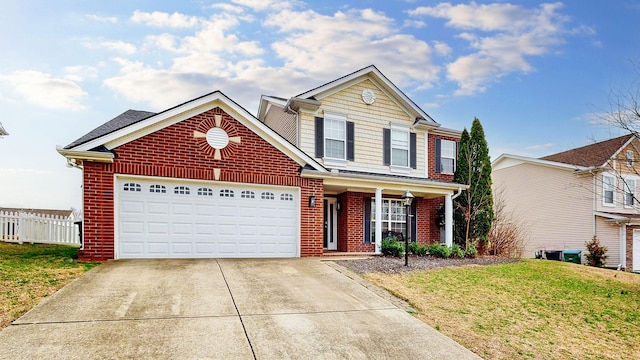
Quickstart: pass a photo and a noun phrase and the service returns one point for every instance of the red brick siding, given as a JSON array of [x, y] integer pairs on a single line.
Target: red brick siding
[[432, 158], [173, 152]]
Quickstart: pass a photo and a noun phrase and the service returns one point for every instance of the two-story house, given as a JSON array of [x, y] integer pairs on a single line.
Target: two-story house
[[569, 197], [321, 171]]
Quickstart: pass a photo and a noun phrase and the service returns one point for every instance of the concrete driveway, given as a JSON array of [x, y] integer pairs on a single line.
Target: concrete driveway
[[221, 309]]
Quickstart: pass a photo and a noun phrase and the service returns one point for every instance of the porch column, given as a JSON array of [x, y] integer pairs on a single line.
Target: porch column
[[448, 220], [378, 221]]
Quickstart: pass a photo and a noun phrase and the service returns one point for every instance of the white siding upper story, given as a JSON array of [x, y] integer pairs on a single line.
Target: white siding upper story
[[369, 121], [555, 205]]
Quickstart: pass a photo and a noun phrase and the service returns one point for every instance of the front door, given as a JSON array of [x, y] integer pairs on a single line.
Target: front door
[[331, 224], [636, 250]]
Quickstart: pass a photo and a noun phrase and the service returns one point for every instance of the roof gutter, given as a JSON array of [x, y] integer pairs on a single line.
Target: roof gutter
[[76, 157]]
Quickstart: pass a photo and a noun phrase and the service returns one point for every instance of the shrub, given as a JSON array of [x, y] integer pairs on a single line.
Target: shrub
[[471, 251], [597, 253], [437, 250], [417, 249], [391, 246], [456, 251], [508, 236]]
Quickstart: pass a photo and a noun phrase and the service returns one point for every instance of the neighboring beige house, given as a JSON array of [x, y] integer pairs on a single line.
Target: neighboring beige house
[[567, 198]]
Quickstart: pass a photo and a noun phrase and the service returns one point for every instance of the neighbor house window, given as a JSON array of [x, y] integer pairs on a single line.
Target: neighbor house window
[[608, 185], [630, 158], [400, 147], [335, 137], [629, 192]]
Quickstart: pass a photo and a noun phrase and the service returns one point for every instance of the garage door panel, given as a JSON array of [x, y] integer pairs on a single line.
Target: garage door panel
[[192, 219]]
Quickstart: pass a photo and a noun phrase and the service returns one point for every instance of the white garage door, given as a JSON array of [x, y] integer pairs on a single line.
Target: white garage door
[[161, 218]]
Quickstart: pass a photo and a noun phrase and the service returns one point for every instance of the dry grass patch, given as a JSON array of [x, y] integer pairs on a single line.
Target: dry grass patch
[[528, 310], [31, 272]]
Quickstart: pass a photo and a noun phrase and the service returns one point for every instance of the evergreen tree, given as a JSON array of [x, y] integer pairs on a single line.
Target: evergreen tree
[[474, 207], [461, 176]]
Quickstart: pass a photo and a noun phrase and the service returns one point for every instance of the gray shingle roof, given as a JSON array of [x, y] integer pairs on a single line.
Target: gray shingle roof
[[123, 120], [594, 155]]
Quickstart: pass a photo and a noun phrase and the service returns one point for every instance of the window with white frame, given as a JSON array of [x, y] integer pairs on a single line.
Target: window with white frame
[[400, 147], [629, 192], [335, 137], [448, 156], [393, 216], [608, 187], [630, 158]]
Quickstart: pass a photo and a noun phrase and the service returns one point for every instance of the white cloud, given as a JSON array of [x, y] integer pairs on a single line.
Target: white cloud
[[228, 8], [328, 45], [442, 48], [80, 73], [261, 5], [510, 34], [162, 19], [44, 90], [111, 45], [98, 18]]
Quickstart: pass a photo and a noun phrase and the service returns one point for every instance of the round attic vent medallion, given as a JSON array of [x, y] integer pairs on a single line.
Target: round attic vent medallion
[[217, 138], [368, 96]]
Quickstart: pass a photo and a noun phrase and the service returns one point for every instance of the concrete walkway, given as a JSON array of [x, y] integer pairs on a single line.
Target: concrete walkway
[[221, 309]]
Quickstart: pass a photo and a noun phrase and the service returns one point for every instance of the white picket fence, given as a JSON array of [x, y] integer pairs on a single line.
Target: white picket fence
[[21, 227]]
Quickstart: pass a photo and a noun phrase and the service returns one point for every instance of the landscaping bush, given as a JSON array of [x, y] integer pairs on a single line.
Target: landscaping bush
[[456, 251], [471, 251], [391, 246], [437, 250], [597, 253], [417, 249]]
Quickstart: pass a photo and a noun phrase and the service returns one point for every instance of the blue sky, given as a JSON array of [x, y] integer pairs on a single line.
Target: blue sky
[[538, 75]]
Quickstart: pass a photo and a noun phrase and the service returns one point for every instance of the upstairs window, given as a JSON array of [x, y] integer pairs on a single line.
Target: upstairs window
[[608, 185], [334, 138], [629, 192], [445, 156], [630, 158], [400, 148]]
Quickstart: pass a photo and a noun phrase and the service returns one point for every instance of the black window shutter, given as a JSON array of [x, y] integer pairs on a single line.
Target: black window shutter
[[350, 136], [319, 137], [412, 149], [386, 148], [367, 220], [437, 157]]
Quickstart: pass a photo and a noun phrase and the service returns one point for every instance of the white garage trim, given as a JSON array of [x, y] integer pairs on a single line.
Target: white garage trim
[[204, 224]]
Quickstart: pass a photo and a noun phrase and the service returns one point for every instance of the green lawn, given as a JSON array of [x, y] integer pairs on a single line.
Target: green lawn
[[534, 309], [31, 272]]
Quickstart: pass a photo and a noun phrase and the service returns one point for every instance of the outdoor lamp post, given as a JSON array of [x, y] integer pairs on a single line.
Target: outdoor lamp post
[[407, 198]]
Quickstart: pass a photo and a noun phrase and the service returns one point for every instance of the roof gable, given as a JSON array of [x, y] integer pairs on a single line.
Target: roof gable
[[382, 82], [593, 155], [124, 129]]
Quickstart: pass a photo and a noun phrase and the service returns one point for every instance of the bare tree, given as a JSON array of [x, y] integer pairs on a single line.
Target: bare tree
[[508, 236]]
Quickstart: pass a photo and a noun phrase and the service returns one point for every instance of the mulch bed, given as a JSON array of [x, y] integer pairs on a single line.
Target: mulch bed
[[388, 264]]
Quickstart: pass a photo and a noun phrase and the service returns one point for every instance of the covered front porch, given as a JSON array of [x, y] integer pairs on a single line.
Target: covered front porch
[[353, 200]]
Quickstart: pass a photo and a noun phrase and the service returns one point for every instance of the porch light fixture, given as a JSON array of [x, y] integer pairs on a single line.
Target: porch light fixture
[[312, 201], [407, 198]]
